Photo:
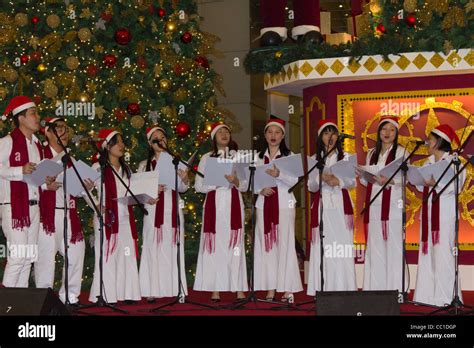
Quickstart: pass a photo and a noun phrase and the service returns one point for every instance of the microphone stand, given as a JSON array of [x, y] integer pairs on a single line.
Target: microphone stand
[[456, 304], [180, 297]]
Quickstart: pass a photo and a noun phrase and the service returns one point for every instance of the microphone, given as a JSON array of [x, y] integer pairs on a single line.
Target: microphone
[[47, 124], [420, 142], [158, 143], [256, 137], [343, 136]]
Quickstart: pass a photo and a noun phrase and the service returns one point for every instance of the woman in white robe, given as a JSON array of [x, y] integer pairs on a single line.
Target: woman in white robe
[[275, 261], [339, 265], [436, 259], [383, 220], [221, 262], [158, 264]]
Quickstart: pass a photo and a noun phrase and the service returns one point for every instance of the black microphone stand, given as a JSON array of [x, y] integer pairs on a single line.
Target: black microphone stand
[[180, 297], [456, 305]]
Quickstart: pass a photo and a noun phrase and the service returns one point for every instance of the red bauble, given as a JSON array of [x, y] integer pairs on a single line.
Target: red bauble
[[34, 20], [37, 99], [133, 109], [394, 19], [202, 61], [381, 28], [182, 129], [178, 70], [187, 37], [123, 36], [410, 20], [195, 167], [142, 63], [24, 59], [36, 55], [106, 16], [119, 114], [110, 60], [161, 12], [91, 70]]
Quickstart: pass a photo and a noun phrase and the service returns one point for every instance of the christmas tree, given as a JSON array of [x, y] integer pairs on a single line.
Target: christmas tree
[[122, 64]]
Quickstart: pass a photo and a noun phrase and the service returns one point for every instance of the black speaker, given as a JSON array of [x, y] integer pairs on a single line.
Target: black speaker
[[23, 301], [357, 303]]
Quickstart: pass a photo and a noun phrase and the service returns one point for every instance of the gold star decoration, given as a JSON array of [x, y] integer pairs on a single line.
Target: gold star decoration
[[34, 42], [99, 111], [86, 13]]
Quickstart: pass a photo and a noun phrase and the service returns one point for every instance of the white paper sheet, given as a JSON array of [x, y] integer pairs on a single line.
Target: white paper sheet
[[73, 184], [144, 186], [345, 169], [165, 167], [291, 165], [45, 168]]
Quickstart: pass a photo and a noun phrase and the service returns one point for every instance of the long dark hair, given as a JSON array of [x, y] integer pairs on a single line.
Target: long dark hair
[[123, 165], [442, 144], [320, 147], [151, 152], [378, 145], [284, 150], [232, 146]]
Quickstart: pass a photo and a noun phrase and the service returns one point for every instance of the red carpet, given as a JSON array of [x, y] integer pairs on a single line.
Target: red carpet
[[143, 308]]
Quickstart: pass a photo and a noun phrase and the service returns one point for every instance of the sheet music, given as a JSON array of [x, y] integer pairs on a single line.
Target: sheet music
[[45, 168], [73, 185]]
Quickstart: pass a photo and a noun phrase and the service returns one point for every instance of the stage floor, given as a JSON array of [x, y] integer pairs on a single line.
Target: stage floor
[[143, 308]]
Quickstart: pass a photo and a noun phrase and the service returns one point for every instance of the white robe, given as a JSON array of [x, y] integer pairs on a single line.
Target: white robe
[[435, 275], [224, 269], [277, 269], [339, 265], [158, 264], [383, 259], [120, 270]]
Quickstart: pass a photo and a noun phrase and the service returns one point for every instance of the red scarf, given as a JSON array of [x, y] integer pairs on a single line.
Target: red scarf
[[48, 209], [348, 210], [160, 213], [385, 201], [19, 197], [271, 216], [210, 221], [111, 213], [434, 220]]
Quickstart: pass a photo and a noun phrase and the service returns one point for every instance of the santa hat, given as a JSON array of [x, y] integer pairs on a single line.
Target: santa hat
[[275, 122], [216, 126], [447, 133], [326, 123], [153, 129], [390, 119], [49, 120], [18, 104], [105, 135]]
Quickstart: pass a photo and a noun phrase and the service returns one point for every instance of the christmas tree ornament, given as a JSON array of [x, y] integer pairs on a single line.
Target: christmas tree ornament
[[41, 68], [34, 20], [24, 59], [21, 19], [72, 63], [182, 129], [161, 12], [110, 60], [381, 28], [53, 21], [133, 108], [84, 34], [410, 6], [187, 37], [137, 122], [91, 70], [202, 61], [35, 55], [171, 26], [123, 36], [165, 84], [410, 19]]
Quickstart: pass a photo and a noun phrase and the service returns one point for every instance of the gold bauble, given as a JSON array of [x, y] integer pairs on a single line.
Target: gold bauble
[[3, 93], [50, 90], [53, 21], [171, 26], [278, 54], [82, 127], [165, 84], [72, 63], [83, 97], [137, 122], [181, 95], [41, 67], [190, 206], [208, 127], [157, 69], [375, 6], [21, 19], [141, 19], [410, 6], [84, 34], [11, 75]]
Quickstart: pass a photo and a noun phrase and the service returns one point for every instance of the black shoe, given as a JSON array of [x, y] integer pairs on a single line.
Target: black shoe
[[151, 300], [130, 302], [215, 300]]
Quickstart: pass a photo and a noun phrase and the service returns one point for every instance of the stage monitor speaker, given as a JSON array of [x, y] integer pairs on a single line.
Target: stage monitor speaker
[[34, 302], [357, 303]]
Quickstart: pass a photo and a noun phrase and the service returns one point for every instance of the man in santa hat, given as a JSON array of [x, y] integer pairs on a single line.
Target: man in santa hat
[[306, 21], [19, 153]]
